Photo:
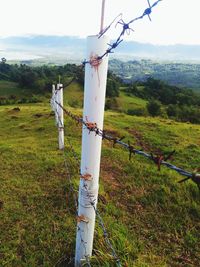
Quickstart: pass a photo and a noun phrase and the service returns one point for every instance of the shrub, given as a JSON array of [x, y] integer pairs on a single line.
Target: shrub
[[154, 107], [137, 112], [111, 103]]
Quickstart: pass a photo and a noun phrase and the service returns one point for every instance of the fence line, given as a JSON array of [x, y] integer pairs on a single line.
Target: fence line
[[161, 159], [157, 159], [92, 127]]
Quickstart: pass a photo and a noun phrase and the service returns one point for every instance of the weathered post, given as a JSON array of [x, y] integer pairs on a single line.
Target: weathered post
[[59, 99], [93, 114], [53, 103]]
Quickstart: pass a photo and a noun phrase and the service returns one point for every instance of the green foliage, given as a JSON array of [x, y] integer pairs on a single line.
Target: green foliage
[[111, 103], [154, 107], [184, 75], [179, 104], [112, 88], [172, 110], [39, 78], [137, 112], [151, 219]]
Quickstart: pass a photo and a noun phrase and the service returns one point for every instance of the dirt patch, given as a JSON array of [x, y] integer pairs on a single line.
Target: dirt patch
[[112, 133], [38, 115], [111, 174], [1, 204], [14, 117], [16, 109], [139, 140]]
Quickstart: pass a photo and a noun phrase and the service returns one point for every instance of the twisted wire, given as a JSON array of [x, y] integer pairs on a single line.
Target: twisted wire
[[127, 146], [126, 29]]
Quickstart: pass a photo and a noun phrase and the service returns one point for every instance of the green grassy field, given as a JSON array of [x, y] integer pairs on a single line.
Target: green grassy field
[[11, 88], [151, 219], [73, 96], [126, 102]]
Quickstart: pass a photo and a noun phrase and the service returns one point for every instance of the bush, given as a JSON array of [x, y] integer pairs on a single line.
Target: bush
[[154, 107], [172, 111], [137, 112], [112, 88], [111, 103]]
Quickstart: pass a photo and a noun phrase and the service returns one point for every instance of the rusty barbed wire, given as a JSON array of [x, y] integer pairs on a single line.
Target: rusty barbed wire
[[91, 201], [126, 29], [72, 189], [100, 219], [157, 159]]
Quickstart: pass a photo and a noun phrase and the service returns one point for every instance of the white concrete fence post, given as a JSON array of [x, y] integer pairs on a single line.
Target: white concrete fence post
[[93, 113], [59, 99], [53, 103]]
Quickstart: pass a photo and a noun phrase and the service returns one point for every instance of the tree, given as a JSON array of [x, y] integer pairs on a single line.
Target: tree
[[112, 88], [172, 110], [3, 60], [154, 107]]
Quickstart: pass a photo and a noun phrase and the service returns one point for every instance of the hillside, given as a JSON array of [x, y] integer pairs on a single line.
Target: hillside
[[176, 64], [151, 219], [186, 75]]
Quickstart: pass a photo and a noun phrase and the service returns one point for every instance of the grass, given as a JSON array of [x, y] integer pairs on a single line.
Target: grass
[[126, 102], [151, 219], [11, 88], [73, 95]]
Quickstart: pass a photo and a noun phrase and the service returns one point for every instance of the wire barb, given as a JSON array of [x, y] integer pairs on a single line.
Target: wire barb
[[131, 150], [195, 178], [158, 159], [126, 29]]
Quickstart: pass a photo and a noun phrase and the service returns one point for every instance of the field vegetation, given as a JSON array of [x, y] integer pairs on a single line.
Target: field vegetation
[[152, 220]]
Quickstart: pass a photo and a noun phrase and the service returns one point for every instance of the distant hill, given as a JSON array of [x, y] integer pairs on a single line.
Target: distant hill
[[69, 47], [174, 73], [175, 64]]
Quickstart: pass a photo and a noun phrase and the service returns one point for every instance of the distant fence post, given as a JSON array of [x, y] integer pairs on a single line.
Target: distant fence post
[[93, 114], [53, 103], [59, 99]]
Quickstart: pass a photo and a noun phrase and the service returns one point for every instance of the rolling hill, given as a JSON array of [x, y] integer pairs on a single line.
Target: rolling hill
[[175, 64]]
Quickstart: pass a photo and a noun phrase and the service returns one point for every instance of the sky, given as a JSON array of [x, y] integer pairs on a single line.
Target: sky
[[173, 21]]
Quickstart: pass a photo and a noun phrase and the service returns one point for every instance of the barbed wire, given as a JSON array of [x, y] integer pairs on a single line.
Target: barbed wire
[[101, 223], [126, 29], [74, 193], [100, 219], [158, 159], [109, 26], [72, 189]]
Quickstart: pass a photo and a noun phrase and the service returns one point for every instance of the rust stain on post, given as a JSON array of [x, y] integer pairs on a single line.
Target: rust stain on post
[[95, 62], [86, 177], [82, 218]]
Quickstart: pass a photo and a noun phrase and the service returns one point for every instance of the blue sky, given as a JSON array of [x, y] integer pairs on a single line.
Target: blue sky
[[173, 21]]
